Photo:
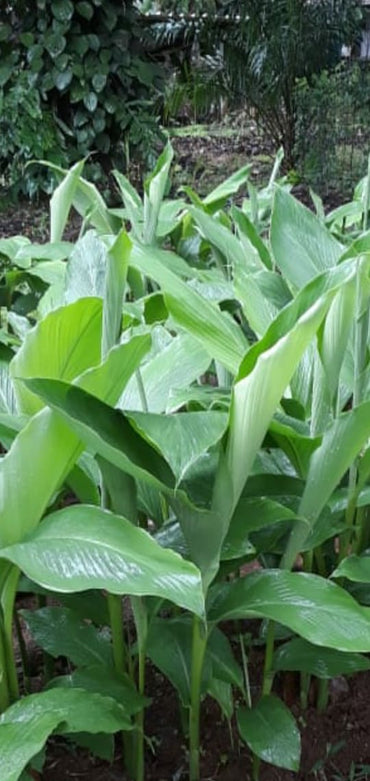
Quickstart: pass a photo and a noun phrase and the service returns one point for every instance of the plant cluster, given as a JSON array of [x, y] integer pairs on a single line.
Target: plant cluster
[[196, 376], [79, 75]]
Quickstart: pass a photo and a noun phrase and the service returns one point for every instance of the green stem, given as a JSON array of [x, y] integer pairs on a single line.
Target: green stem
[[4, 689], [8, 596], [320, 561], [247, 687], [198, 651], [305, 685], [140, 720], [268, 673], [322, 694], [118, 641], [142, 394], [141, 623]]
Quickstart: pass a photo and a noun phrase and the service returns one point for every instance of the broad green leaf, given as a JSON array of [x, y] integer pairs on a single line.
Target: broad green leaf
[[45, 451], [74, 332], [49, 252], [133, 204], [60, 632], [259, 311], [228, 187], [170, 649], [106, 431], [154, 191], [297, 446], [335, 334], [225, 241], [249, 231], [82, 547], [180, 363], [83, 486], [10, 425], [117, 369], [116, 273], [356, 568], [217, 333], [224, 665], [254, 513], [257, 395], [52, 272], [26, 725], [61, 201], [223, 694], [86, 269], [300, 655], [314, 608], [120, 490], [341, 443], [85, 198], [181, 438], [106, 681], [302, 246], [270, 731]]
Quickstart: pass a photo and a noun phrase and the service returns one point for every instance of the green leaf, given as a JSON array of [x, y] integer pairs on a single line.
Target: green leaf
[[63, 79], [85, 9], [224, 665], [307, 604], [299, 655], [62, 10], [86, 269], [61, 201], [217, 333], [90, 101], [177, 365], [106, 681], [45, 451], [115, 282], [99, 81], [74, 332], [170, 649], [341, 443], [26, 725], [356, 568], [60, 632], [154, 191], [133, 204], [106, 431], [225, 241], [249, 231], [181, 438], [228, 187], [302, 246], [81, 547], [335, 334], [270, 731], [256, 397]]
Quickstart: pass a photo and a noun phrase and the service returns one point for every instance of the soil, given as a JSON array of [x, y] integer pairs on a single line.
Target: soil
[[334, 744]]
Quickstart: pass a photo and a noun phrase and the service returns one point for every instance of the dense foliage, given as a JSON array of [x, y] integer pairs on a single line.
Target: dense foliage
[[196, 375], [78, 74]]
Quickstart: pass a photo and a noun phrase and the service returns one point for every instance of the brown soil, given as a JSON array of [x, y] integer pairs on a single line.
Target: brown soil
[[333, 743]]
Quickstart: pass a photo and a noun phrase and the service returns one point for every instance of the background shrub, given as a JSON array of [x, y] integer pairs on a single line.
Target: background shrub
[[78, 73]]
